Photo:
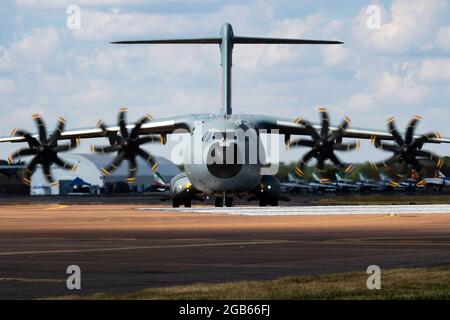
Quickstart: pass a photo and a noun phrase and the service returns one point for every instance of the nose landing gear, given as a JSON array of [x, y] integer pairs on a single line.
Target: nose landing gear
[[221, 200], [229, 202]]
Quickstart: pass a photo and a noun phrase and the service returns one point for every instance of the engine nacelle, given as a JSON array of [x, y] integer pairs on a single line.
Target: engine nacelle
[[270, 186], [269, 191]]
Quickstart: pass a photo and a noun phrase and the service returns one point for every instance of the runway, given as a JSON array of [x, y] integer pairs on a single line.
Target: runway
[[315, 210], [122, 248]]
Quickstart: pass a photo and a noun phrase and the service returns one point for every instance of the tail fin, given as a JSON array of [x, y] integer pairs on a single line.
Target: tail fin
[[291, 178], [338, 177], [315, 177], [440, 174], [159, 179], [227, 40]]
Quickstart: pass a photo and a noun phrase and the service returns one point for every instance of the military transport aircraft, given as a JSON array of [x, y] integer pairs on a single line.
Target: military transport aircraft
[[225, 139]]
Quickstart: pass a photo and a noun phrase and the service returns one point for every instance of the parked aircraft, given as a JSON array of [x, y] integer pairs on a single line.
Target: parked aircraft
[[295, 185], [367, 184], [440, 180], [322, 185], [160, 185], [346, 185]]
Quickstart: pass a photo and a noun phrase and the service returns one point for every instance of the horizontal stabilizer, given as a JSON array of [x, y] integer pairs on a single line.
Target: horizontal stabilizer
[[226, 40], [242, 40], [213, 40], [258, 40]]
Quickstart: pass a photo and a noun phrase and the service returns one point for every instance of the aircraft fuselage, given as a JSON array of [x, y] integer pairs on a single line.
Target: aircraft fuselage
[[225, 155]]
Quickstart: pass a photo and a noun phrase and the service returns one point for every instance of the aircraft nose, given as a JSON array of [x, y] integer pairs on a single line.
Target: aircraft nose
[[224, 161]]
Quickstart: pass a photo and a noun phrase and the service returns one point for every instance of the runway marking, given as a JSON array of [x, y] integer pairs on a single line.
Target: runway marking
[[356, 241], [44, 238], [57, 207], [397, 238], [31, 280], [391, 215], [117, 239], [390, 210], [421, 241], [385, 243], [170, 246]]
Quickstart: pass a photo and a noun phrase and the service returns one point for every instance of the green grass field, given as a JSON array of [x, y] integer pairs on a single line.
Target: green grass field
[[419, 283]]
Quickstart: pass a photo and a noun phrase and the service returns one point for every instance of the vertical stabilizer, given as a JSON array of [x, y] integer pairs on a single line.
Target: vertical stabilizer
[[226, 51]]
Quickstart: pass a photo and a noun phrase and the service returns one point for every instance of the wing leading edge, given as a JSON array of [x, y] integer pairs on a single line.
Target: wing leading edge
[[290, 127], [157, 126]]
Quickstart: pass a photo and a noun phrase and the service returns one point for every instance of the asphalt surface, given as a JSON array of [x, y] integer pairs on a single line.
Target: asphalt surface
[[121, 249]]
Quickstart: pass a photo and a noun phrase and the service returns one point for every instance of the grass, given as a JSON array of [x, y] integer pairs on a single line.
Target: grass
[[418, 283]]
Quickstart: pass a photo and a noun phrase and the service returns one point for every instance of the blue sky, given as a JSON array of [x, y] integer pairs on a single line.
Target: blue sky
[[401, 69]]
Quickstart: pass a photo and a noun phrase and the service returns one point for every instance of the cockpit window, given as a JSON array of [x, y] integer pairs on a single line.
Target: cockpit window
[[231, 136], [219, 136], [207, 136]]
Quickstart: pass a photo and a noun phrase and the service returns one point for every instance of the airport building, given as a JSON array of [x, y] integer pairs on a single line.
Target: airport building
[[89, 179]]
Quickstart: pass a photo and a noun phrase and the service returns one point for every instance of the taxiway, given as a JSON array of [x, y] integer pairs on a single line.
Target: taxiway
[[121, 249]]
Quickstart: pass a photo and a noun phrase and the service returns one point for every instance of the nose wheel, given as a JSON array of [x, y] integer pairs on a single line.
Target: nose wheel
[[229, 202]]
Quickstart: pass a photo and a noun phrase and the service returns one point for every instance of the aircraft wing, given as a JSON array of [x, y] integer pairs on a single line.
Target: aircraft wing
[[156, 126], [292, 127]]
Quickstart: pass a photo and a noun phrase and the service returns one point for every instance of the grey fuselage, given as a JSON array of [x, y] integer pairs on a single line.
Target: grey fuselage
[[224, 155]]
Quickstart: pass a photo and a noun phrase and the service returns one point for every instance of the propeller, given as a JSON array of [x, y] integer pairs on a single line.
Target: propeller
[[323, 143], [127, 144], [45, 150], [407, 150]]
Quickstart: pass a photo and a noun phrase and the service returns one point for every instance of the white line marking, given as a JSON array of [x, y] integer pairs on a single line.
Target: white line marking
[[170, 246], [316, 210]]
